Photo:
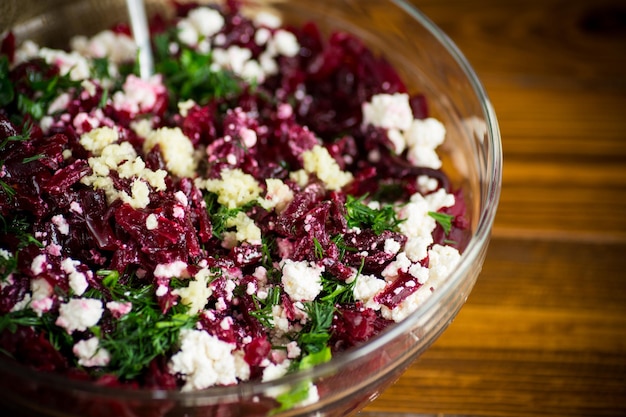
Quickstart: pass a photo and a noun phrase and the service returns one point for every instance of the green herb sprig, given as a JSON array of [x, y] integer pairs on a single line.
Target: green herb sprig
[[445, 220], [359, 214], [316, 334], [190, 74], [263, 312], [145, 332]]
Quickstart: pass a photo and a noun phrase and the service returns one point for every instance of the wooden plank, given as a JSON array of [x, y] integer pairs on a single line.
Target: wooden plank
[[542, 333], [537, 40]]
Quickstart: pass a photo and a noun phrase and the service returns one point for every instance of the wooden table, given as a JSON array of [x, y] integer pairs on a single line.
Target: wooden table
[[544, 331]]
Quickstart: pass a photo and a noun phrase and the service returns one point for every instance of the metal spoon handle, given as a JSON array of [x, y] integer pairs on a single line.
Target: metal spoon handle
[[141, 33]]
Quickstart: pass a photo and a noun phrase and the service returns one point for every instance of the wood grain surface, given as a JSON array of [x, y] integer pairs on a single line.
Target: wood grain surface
[[544, 331]]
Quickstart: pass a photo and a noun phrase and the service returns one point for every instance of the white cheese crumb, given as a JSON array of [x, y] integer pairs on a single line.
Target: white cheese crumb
[[248, 137], [267, 19], [422, 138], [442, 259], [389, 111], [420, 273], [185, 106], [441, 262], [206, 20], [176, 148], [172, 269], [280, 320], [426, 184], [293, 350], [59, 104], [89, 87], [119, 308], [187, 32], [301, 280], [38, 263], [98, 139], [439, 199], [77, 280], [27, 50], [300, 177], [72, 63], [181, 198], [278, 195], [152, 222], [139, 95], [141, 127], [76, 207], [204, 361], [397, 139], [401, 263], [234, 189], [79, 314], [62, 226], [240, 61], [392, 246], [247, 230], [161, 290], [25, 302], [366, 288], [286, 43], [261, 36], [89, 353], [319, 162], [40, 288], [197, 293], [419, 225], [416, 248], [116, 47], [274, 371], [122, 157]]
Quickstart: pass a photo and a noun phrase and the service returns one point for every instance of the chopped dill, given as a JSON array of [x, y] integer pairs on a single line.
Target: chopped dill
[[359, 214], [445, 220]]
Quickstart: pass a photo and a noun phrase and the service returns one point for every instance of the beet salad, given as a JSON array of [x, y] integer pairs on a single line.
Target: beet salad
[[269, 198]]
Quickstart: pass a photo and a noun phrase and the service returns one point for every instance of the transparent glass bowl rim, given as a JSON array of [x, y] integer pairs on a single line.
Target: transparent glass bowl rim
[[479, 239]]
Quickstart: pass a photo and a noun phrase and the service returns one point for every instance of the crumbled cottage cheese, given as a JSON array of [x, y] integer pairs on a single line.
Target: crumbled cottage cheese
[[79, 314], [78, 280], [176, 149], [301, 280], [96, 140], [390, 111], [234, 189], [205, 360], [197, 293], [278, 195], [120, 157], [139, 95], [421, 137], [116, 47], [202, 22], [71, 63], [90, 354], [319, 162], [247, 230], [442, 260], [366, 288]]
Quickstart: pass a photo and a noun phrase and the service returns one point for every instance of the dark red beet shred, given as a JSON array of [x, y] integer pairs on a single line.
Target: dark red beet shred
[[63, 239]]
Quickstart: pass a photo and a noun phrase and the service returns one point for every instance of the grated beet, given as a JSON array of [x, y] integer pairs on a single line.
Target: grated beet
[[399, 289], [355, 324]]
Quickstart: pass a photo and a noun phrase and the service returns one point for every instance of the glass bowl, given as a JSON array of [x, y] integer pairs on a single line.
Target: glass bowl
[[429, 63]]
